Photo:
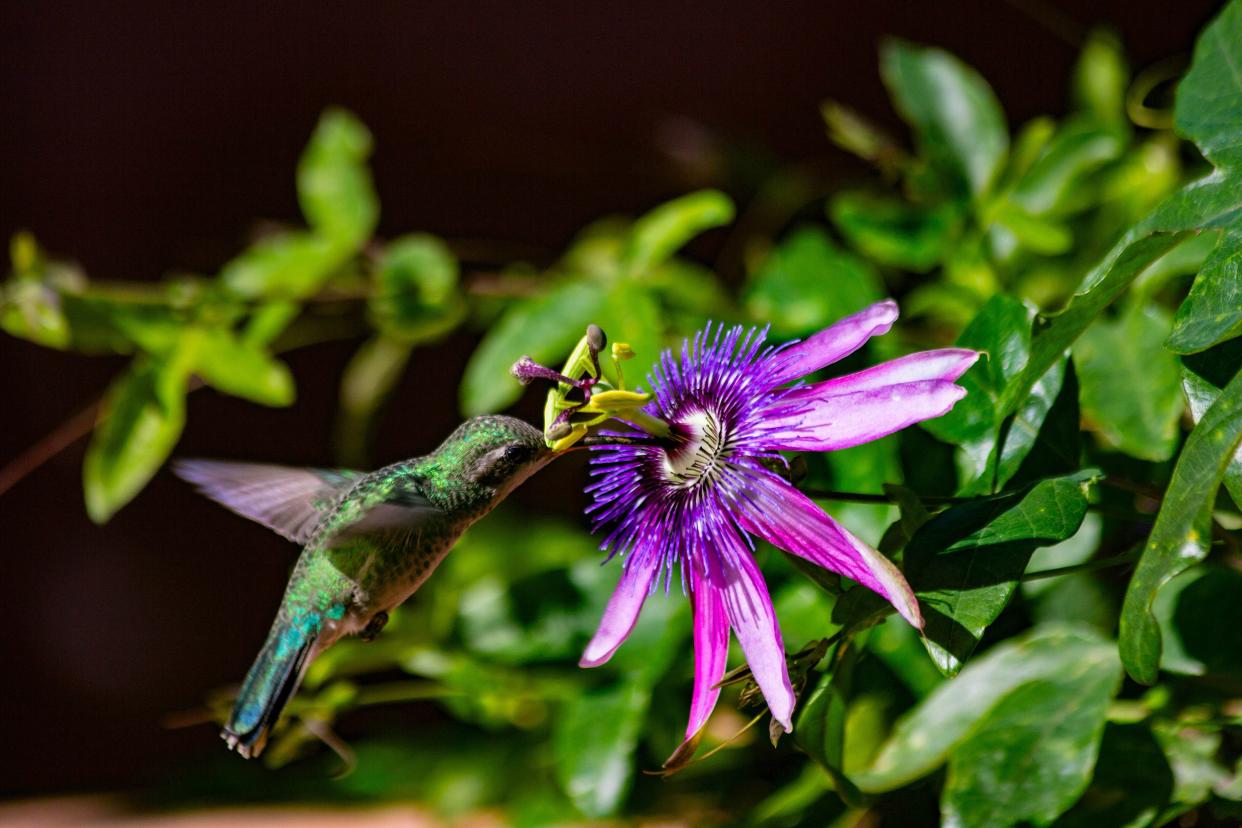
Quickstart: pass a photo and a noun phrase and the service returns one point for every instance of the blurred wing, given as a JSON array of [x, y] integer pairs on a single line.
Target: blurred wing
[[403, 509], [287, 500]]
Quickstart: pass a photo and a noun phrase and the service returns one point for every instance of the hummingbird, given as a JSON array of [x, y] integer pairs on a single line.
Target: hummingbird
[[369, 540]]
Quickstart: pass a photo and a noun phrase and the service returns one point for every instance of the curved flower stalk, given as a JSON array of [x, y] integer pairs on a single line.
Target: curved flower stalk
[[691, 502]]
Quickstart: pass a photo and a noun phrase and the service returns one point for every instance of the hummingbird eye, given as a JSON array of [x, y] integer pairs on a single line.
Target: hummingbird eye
[[499, 463]]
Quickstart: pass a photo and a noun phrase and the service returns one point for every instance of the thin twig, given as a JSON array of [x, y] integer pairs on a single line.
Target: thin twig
[[1089, 566], [59, 439]]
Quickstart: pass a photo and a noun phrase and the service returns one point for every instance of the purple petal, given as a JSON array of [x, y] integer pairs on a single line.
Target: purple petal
[[621, 613], [833, 343], [945, 364], [711, 651], [808, 419], [779, 513], [746, 602]]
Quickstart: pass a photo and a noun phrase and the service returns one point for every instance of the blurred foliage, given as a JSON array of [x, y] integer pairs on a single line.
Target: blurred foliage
[[1094, 260]]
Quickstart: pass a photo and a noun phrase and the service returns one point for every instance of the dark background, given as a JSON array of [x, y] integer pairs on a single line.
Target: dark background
[[143, 138]]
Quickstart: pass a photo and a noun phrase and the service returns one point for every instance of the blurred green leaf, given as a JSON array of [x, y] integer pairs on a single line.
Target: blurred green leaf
[[956, 118], [1032, 232], [1066, 676], [544, 328], [1203, 375], [594, 742], [965, 563], [31, 310], [1056, 183], [416, 289], [1182, 531], [662, 232], [900, 647], [334, 184], [1192, 753], [288, 266], [1033, 755], [268, 321], [1132, 782], [234, 367], [366, 383], [807, 282], [894, 232], [1200, 619], [1074, 598], [141, 419], [1101, 77], [632, 315], [820, 729], [1130, 391]]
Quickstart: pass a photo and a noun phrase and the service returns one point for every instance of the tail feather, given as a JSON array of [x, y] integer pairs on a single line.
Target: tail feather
[[271, 682]]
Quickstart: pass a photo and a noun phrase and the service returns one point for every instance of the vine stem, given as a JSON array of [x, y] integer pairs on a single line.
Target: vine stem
[[59, 439], [1089, 566]]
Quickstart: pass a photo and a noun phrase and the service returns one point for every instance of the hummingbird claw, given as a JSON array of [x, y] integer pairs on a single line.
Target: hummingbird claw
[[374, 626]]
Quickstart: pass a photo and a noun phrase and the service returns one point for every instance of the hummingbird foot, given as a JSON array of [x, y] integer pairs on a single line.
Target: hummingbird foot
[[374, 626]]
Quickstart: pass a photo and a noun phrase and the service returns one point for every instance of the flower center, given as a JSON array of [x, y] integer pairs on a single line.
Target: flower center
[[702, 456]]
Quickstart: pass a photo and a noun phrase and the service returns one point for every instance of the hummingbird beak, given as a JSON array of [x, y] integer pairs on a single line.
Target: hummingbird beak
[[594, 440]]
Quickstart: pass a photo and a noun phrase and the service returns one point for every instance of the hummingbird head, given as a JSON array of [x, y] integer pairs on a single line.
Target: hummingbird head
[[497, 453]]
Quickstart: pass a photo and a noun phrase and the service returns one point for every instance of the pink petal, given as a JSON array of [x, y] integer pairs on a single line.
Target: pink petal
[[621, 613], [746, 602], [711, 650], [815, 419], [784, 516], [945, 364], [834, 343]]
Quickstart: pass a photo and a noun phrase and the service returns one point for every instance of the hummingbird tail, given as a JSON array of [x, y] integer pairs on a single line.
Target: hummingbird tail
[[269, 685]]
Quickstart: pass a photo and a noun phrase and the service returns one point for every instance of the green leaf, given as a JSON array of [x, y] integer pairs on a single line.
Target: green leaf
[[31, 310], [288, 266], [1130, 384], [594, 742], [1209, 100], [1212, 313], [1132, 782], [956, 118], [334, 184], [807, 282], [416, 290], [820, 729], [1210, 96], [1032, 756], [1101, 77], [1066, 677], [662, 232], [1057, 182], [631, 315], [544, 328], [366, 383], [965, 563], [1182, 531], [1203, 375], [894, 232], [976, 424], [141, 419], [1200, 618], [234, 367]]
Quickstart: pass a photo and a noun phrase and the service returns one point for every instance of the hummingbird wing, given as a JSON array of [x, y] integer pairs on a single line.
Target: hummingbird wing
[[288, 500]]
